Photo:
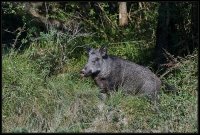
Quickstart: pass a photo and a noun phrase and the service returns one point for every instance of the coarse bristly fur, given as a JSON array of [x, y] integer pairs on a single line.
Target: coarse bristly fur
[[111, 73]]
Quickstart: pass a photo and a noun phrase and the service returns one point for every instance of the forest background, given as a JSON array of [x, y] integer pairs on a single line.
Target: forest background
[[43, 50]]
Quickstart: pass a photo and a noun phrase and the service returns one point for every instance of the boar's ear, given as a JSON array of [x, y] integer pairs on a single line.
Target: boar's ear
[[103, 51], [88, 49]]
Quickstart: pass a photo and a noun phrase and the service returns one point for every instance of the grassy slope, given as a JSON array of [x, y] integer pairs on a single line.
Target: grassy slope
[[67, 103]]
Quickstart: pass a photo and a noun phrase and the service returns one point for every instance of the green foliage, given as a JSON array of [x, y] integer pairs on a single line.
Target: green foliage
[[42, 90], [27, 97], [67, 103], [52, 51], [133, 50], [20, 130], [12, 7]]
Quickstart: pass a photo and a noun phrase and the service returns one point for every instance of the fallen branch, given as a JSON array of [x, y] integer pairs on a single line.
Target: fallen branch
[[19, 30], [18, 35], [168, 71], [172, 64]]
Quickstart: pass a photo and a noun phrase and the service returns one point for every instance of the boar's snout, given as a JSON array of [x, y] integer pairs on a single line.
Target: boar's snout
[[82, 72], [85, 72]]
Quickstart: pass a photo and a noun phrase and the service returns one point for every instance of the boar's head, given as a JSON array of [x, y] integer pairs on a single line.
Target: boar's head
[[95, 61]]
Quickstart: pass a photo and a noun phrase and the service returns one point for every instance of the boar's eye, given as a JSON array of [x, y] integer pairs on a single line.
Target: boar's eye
[[97, 59]]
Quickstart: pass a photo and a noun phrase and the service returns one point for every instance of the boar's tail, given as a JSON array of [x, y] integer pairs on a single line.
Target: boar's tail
[[169, 88]]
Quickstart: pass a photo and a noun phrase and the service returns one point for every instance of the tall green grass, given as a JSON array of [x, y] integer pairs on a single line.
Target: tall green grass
[[34, 105], [68, 103], [43, 92]]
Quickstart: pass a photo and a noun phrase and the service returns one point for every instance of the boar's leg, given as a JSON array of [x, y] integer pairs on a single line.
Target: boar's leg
[[102, 84], [151, 91]]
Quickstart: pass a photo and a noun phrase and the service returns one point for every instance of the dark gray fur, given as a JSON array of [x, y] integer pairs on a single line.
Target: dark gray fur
[[111, 73]]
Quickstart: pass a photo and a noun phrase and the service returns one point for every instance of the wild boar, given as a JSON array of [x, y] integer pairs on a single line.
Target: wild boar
[[111, 73]]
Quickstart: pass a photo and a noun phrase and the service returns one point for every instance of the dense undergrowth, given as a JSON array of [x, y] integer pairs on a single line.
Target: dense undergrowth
[[42, 90], [35, 102]]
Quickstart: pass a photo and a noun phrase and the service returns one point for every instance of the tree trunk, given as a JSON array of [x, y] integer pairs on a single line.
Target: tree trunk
[[172, 33], [195, 26], [166, 32], [123, 16], [161, 33]]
